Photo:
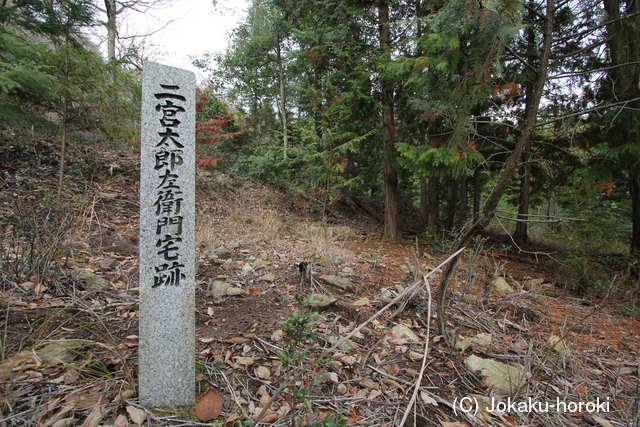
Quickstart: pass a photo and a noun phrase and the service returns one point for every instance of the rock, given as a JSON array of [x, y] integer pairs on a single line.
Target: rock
[[90, 281], [247, 268], [404, 333], [362, 302], [348, 270], [228, 265], [108, 264], [502, 286], [60, 351], [481, 339], [220, 288], [260, 263], [269, 277], [234, 291], [341, 283], [500, 377], [112, 244], [321, 301], [558, 345], [346, 346], [221, 250]]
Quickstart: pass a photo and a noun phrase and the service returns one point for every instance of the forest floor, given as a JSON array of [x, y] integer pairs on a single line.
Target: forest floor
[[69, 314]]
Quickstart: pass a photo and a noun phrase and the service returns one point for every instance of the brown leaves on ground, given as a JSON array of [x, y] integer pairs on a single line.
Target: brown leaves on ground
[[209, 406]]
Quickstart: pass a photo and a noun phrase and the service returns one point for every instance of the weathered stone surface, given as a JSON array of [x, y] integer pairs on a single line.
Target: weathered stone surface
[[167, 237], [502, 286], [220, 288], [482, 339], [91, 281], [321, 301], [60, 351], [500, 377], [112, 244], [108, 263], [269, 277], [342, 283], [404, 333]]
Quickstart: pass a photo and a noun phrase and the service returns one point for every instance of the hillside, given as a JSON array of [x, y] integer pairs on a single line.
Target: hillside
[[69, 272]]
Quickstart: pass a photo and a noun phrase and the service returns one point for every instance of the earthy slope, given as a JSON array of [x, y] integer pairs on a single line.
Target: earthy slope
[[70, 273]]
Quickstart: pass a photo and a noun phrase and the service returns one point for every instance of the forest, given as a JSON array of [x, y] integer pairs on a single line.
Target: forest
[[465, 127], [461, 109]]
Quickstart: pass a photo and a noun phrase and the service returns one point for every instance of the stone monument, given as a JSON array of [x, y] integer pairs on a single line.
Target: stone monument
[[167, 237]]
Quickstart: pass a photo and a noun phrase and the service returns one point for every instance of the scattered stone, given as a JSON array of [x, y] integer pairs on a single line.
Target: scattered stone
[[234, 291], [60, 351], [404, 333], [228, 265], [221, 250], [500, 377], [90, 281], [502, 286], [481, 339], [108, 264], [362, 302], [220, 288], [260, 263], [348, 270], [346, 346], [112, 244], [247, 268], [558, 345], [269, 277], [321, 301], [342, 283]]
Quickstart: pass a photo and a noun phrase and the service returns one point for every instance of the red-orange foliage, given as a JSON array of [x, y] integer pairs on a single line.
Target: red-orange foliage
[[210, 132]]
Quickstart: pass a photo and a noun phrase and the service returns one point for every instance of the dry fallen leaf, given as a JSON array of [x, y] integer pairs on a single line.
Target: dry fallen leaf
[[121, 421], [137, 415], [453, 424], [209, 406], [393, 369], [244, 361]]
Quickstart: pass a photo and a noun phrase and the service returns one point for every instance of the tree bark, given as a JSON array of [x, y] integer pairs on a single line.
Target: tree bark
[[521, 235], [624, 49], [112, 28], [283, 103], [476, 193], [432, 203], [391, 228], [424, 206], [505, 177]]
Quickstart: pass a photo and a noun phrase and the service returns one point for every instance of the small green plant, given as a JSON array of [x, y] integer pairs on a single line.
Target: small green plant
[[338, 421], [298, 343]]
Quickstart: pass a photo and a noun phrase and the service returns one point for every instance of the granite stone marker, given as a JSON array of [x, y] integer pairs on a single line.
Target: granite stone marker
[[167, 242]]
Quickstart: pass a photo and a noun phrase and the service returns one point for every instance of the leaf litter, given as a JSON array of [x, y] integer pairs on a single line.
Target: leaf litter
[[239, 339]]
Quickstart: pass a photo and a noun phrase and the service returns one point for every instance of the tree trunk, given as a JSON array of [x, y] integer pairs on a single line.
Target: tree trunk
[[505, 176], [112, 29], [283, 103], [624, 50], [424, 205], [452, 202], [391, 228], [476, 193], [521, 235], [634, 189], [432, 203], [464, 201]]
